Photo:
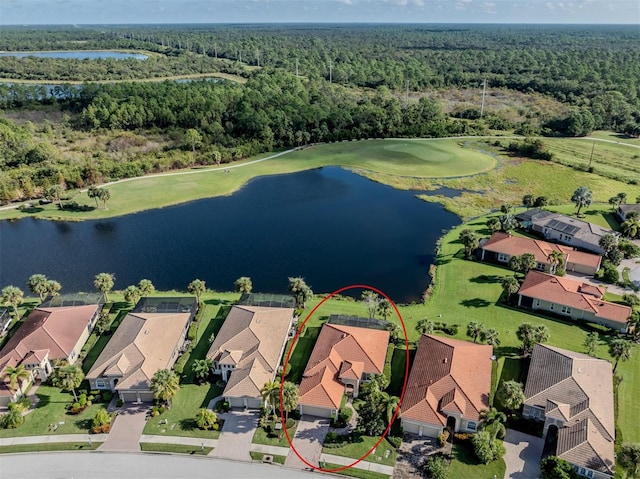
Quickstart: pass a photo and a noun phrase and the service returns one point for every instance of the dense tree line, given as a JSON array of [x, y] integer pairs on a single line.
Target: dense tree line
[[593, 67]]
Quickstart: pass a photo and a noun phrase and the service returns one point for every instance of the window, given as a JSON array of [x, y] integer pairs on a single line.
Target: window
[[535, 412], [537, 303], [589, 473], [566, 310], [73, 354], [100, 383], [582, 471], [472, 426], [502, 257], [540, 266]]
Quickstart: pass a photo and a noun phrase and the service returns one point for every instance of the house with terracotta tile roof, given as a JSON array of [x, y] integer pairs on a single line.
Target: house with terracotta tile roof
[[248, 349], [448, 386], [52, 331], [502, 246], [573, 394], [149, 338], [564, 229], [342, 358], [573, 299]]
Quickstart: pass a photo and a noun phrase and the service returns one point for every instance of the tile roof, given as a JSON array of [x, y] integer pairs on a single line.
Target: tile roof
[[251, 339], [142, 345], [572, 293], [515, 245], [579, 388], [337, 344], [54, 330], [447, 375]]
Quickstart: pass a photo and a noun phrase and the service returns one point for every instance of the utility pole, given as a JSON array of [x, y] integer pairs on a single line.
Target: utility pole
[[592, 148], [257, 57], [406, 98], [215, 50], [297, 74], [484, 92], [330, 72]]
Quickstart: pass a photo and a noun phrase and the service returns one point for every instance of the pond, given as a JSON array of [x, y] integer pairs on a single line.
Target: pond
[[77, 55], [328, 225]]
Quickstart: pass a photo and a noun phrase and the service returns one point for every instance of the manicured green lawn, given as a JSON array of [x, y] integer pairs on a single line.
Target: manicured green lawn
[[465, 464], [51, 446], [262, 437], [181, 417], [174, 448], [51, 411], [356, 450], [257, 456], [353, 472], [422, 158]]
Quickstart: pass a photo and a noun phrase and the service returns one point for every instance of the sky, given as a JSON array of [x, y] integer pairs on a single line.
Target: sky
[[312, 11]]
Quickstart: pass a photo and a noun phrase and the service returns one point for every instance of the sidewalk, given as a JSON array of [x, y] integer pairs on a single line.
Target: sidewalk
[[54, 438], [364, 465], [186, 441]]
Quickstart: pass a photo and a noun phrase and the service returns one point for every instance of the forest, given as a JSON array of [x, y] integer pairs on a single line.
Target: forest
[[305, 84]]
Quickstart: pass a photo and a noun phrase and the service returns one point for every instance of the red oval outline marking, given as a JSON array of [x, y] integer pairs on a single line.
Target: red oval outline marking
[[404, 384]]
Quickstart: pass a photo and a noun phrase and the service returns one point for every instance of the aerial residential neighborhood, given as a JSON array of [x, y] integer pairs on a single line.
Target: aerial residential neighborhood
[[238, 240]]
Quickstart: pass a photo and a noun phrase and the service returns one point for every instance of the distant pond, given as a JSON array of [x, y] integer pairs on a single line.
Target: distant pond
[[328, 225], [77, 55]]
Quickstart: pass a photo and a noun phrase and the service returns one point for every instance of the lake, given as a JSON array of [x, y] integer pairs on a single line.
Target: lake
[[328, 225], [77, 55]]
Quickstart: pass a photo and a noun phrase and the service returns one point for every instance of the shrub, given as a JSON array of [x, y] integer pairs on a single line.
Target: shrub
[[553, 467], [290, 423], [462, 436], [207, 419], [442, 437], [436, 467], [486, 448], [23, 404], [395, 441], [107, 396], [119, 402]]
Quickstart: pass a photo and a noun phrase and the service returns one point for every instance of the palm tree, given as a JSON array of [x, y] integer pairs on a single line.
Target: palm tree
[[146, 287], [206, 418], [38, 285], [493, 421], [12, 296], [132, 294], [290, 398], [389, 404], [384, 308], [395, 332], [591, 343], [371, 300], [197, 287], [490, 336], [631, 227], [165, 384], [52, 287], [556, 258], [202, 368], [14, 374], [629, 459], [470, 241], [511, 395], [510, 285], [620, 350], [69, 378], [94, 193], [243, 285], [104, 283], [301, 291], [104, 195], [271, 394], [425, 326], [12, 419], [54, 193], [475, 330], [581, 197]]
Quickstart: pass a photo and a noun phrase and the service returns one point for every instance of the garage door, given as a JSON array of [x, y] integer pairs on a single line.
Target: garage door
[[254, 403], [420, 429], [146, 396], [410, 427], [129, 397], [235, 402], [315, 411]]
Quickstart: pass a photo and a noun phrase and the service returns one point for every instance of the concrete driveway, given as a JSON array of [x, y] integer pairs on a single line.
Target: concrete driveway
[[523, 455], [236, 435], [308, 442], [127, 429]]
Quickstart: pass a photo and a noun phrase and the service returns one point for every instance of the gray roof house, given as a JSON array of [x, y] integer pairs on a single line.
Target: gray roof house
[[564, 229], [573, 394], [624, 210]]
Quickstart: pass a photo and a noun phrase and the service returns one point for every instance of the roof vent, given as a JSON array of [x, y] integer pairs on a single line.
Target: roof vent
[[344, 335], [579, 370], [445, 360], [146, 331]]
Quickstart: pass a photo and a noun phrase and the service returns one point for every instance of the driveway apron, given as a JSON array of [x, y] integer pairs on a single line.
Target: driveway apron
[[127, 429], [236, 435], [523, 455], [308, 442]]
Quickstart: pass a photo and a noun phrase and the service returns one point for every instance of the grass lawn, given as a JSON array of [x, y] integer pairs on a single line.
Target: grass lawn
[[465, 464], [353, 472], [181, 417], [356, 450], [421, 158], [257, 456], [52, 411], [175, 448], [51, 446], [262, 437]]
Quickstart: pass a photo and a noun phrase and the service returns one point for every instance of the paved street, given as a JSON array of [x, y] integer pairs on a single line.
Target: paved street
[[523, 455], [70, 465], [127, 429], [308, 442], [235, 439]]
